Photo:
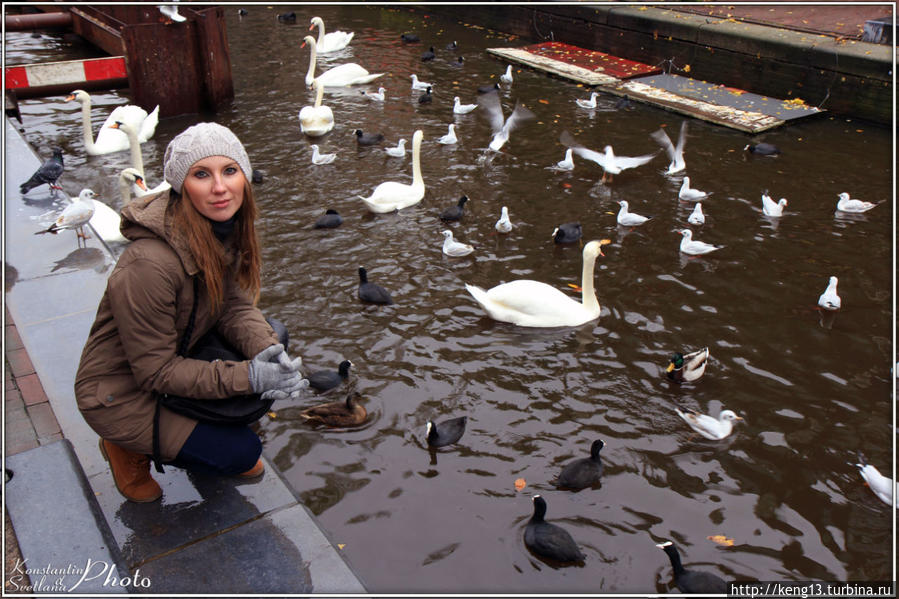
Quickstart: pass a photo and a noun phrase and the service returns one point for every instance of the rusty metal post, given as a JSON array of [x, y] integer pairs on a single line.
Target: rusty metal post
[[50, 20]]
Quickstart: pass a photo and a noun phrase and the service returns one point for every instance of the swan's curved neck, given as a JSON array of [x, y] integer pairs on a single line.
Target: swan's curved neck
[[319, 92], [588, 294], [125, 191], [417, 179], [310, 74], [86, 125], [137, 158], [321, 32]]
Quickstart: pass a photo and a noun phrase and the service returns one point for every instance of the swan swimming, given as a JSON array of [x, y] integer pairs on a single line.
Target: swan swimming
[[330, 42], [108, 139], [530, 303], [316, 120], [339, 76], [392, 195]]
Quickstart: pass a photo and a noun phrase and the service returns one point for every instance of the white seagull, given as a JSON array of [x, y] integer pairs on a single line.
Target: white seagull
[[772, 208], [610, 163], [318, 158], [694, 247], [710, 428], [829, 300], [675, 153], [696, 217], [399, 151], [502, 128], [416, 84], [629, 219], [170, 11], [450, 137], [689, 194], [503, 225], [846, 204], [507, 76], [75, 216], [377, 96], [454, 248], [567, 163], [880, 484], [588, 104], [460, 108]]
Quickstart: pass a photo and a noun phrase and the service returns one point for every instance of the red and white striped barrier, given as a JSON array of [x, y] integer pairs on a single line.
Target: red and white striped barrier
[[70, 73]]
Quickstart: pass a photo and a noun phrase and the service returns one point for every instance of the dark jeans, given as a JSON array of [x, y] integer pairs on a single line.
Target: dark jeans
[[222, 449]]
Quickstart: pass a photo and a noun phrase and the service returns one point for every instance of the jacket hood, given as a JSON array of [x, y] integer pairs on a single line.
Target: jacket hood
[[152, 217]]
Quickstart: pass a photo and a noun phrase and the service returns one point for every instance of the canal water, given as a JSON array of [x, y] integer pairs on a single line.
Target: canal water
[[814, 388]]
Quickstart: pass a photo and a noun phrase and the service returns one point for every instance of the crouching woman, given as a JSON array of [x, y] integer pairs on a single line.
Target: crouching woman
[[192, 270]]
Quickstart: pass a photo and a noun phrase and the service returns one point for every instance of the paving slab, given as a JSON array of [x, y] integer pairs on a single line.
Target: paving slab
[[68, 548]]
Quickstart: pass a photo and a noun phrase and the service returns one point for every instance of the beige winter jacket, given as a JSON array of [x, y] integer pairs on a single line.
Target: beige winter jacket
[[131, 351]]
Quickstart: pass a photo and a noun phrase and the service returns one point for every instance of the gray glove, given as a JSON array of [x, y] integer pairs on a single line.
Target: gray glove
[[274, 375]]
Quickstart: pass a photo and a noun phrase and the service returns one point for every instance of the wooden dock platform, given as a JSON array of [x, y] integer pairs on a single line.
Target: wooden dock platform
[[726, 106]]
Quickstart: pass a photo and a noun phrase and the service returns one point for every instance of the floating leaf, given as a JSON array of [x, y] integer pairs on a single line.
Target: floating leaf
[[272, 415], [686, 68], [341, 545], [721, 540], [520, 483], [543, 101]]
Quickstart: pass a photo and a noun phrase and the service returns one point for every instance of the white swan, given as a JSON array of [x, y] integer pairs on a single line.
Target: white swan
[[137, 161], [316, 120], [339, 76], [106, 222], [330, 42], [391, 195], [109, 140], [530, 303]]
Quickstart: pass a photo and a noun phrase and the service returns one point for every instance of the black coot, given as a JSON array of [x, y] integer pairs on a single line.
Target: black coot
[[547, 540], [583, 472]]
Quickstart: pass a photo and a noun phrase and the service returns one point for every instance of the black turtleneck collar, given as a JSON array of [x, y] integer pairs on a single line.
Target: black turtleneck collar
[[222, 229]]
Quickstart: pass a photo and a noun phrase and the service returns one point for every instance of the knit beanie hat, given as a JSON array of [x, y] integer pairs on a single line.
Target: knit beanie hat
[[201, 141]]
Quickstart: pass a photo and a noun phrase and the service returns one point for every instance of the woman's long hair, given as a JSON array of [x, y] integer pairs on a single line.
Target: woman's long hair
[[209, 253]]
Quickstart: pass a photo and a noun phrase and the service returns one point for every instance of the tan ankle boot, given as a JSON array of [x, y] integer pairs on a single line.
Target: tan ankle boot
[[131, 473], [255, 471]]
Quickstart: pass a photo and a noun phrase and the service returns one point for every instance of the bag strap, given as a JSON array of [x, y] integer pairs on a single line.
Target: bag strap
[[182, 351]]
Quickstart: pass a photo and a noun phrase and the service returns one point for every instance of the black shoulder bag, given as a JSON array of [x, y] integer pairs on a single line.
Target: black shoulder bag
[[241, 409]]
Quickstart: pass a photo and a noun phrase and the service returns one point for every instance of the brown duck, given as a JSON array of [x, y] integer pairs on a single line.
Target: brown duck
[[337, 413]]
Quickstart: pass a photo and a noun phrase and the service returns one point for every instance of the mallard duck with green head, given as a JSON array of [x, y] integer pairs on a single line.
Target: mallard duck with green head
[[687, 367]]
